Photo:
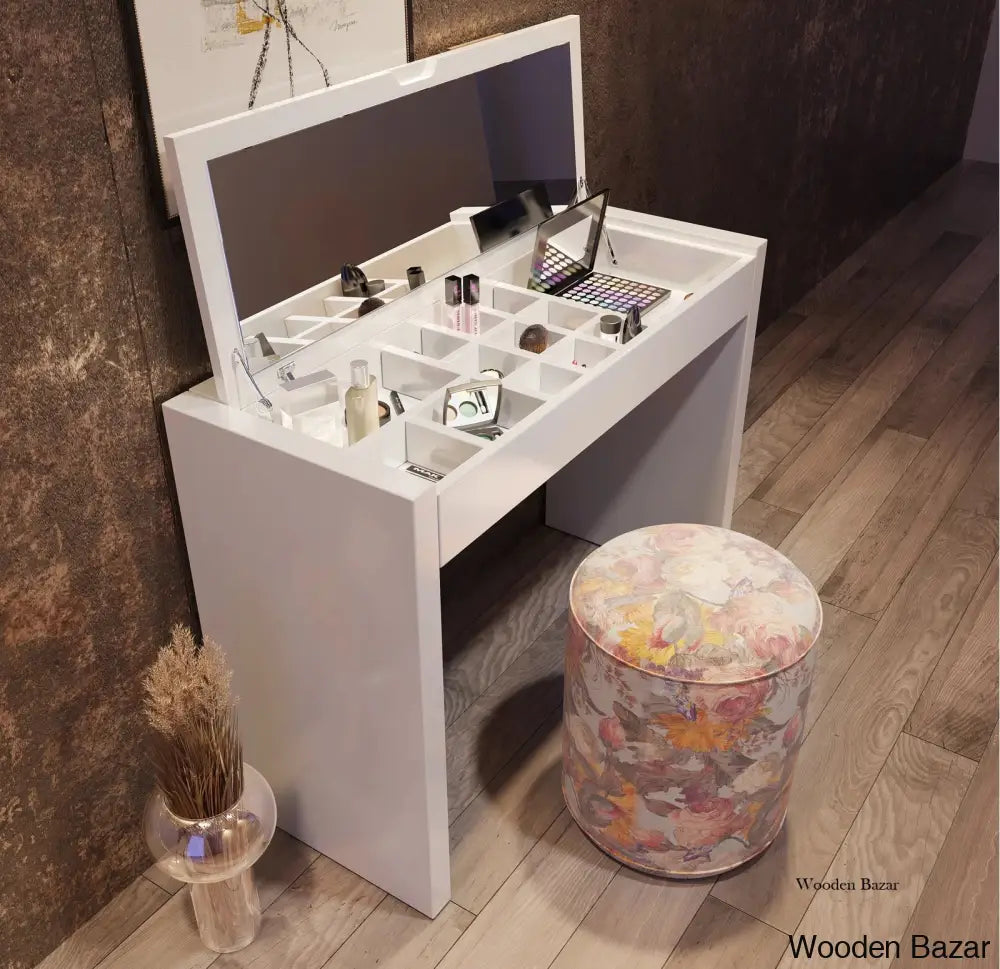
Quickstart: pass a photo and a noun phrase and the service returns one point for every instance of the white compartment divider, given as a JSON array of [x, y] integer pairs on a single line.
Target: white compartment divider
[[423, 340], [315, 327], [481, 356], [515, 300], [339, 305], [438, 448], [568, 316], [400, 370], [580, 352], [515, 405], [286, 345], [544, 379], [507, 336]]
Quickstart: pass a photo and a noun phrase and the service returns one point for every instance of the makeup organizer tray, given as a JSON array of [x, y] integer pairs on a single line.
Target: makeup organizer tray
[[309, 316], [419, 357], [323, 310]]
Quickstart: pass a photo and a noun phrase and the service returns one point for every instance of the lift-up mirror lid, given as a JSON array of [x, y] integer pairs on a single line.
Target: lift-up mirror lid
[[273, 201]]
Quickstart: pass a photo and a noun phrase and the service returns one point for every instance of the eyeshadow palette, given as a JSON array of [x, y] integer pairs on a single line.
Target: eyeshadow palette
[[570, 274], [615, 293], [596, 289], [554, 268]]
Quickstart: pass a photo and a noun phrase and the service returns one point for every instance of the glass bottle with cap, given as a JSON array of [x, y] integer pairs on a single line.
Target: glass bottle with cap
[[361, 403]]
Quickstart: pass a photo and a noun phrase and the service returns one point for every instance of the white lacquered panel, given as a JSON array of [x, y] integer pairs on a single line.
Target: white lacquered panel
[[324, 592]]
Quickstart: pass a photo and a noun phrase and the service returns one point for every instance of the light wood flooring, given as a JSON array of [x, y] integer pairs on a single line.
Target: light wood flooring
[[870, 458]]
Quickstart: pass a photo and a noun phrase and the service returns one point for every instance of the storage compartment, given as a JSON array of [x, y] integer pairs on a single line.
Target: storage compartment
[[566, 315], [411, 378], [315, 327], [509, 300], [545, 378], [578, 352], [675, 265], [324, 423], [439, 314], [440, 451], [340, 305], [515, 405], [477, 357], [280, 345], [423, 340], [508, 335]]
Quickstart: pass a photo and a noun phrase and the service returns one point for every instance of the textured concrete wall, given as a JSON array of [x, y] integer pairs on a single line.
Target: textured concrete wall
[[806, 121]]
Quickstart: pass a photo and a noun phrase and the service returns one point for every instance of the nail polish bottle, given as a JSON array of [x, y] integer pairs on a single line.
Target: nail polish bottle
[[470, 304], [361, 403]]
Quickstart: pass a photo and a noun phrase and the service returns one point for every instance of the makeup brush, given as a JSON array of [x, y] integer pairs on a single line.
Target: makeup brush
[[372, 303], [534, 339], [353, 281]]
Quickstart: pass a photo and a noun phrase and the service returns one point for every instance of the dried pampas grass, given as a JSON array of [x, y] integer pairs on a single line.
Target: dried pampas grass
[[196, 751]]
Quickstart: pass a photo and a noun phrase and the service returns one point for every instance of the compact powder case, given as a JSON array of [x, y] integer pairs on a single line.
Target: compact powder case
[[473, 406]]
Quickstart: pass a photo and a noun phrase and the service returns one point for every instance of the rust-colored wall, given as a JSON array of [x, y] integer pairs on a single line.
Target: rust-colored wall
[[806, 121]]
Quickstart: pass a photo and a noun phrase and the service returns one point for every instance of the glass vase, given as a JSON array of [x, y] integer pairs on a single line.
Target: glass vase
[[215, 856]]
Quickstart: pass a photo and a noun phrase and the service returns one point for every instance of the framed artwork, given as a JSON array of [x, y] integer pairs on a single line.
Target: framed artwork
[[209, 59]]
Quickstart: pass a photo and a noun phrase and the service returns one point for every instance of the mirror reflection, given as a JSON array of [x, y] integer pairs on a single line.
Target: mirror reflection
[[372, 193]]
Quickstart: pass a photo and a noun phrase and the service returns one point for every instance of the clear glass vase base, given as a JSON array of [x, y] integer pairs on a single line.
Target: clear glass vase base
[[227, 912]]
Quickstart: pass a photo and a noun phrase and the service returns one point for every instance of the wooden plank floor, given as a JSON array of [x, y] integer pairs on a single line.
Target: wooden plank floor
[[870, 458]]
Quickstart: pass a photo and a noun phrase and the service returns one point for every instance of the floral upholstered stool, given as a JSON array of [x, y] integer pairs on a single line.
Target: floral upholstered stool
[[688, 670]]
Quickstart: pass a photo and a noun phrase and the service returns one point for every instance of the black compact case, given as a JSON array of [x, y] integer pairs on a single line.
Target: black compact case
[[512, 217]]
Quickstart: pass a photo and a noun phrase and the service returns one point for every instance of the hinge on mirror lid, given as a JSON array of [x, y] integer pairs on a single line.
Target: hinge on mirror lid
[[286, 372], [239, 358]]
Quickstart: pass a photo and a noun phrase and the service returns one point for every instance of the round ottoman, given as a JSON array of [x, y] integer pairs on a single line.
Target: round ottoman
[[688, 669]]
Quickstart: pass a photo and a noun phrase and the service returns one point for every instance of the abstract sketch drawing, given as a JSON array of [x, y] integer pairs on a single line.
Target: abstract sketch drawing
[[206, 59]]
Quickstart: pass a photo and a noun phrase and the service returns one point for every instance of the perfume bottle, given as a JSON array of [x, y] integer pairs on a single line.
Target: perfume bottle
[[361, 403]]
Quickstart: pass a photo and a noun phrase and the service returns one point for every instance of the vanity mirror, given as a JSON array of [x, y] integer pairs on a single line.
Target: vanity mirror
[[351, 177]]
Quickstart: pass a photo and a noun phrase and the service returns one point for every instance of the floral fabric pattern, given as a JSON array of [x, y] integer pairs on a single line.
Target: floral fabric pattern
[[685, 775], [696, 603]]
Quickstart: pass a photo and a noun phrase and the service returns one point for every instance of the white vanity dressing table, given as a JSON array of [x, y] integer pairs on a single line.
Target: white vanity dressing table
[[317, 565]]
